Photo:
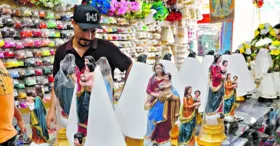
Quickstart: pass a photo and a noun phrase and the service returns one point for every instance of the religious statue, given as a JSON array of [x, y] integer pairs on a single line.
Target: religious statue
[[107, 76], [85, 84], [188, 117], [163, 105], [230, 95], [40, 135], [64, 84], [212, 130]]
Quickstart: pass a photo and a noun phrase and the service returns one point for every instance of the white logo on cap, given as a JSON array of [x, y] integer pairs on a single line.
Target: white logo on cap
[[91, 17]]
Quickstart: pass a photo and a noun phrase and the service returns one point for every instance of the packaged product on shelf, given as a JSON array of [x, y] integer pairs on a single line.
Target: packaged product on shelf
[[26, 12], [30, 71], [9, 53], [22, 73], [38, 71], [19, 45]]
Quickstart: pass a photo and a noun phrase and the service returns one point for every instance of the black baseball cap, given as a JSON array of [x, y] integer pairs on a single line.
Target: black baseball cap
[[87, 17]]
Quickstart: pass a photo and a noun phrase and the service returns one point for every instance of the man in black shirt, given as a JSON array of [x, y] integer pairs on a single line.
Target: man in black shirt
[[85, 21]]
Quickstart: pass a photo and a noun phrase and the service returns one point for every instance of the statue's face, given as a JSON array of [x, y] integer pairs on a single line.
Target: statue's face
[[76, 142]]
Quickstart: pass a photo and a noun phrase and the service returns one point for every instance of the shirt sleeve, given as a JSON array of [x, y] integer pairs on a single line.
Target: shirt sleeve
[[119, 60]]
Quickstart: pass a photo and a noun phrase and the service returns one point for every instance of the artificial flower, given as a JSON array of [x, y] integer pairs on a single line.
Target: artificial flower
[[162, 11], [256, 33], [171, 2], [102, 5], [242, 50], [275, 52], [145, 10], [134, 6], [248, 51], [264, 32], [174, 15], [272, 32], [247, 45], [267, 25], [261, 26], [276, 43], [118, 8], [135, 10]]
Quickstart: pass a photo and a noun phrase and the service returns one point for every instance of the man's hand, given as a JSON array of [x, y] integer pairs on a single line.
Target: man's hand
[[21, 125], [51, 118]]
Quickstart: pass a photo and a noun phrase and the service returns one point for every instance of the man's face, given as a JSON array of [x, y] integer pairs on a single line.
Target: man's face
[[84, 36]]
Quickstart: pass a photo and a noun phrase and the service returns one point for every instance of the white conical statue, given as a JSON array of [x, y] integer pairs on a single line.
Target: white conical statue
[[103, 128], [206, 63], [130, 108], [191, 74], [245, 81], [72, 125], [172, 68]]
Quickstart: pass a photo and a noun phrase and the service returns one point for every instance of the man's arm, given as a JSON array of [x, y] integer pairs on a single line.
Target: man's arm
[[51, 117], [17, 114], [119, 60], [20, 121]]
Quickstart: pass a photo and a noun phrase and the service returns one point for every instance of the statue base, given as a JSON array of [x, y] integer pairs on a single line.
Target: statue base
[[134, 142], [61, 139], [240, 99], [212, 135]]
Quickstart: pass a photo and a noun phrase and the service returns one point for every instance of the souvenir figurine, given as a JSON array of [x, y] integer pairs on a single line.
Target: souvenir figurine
[[188, 118], [163, 105], [129, 110], [229, 97], [64, 85], [212, 129], [40, 135]]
